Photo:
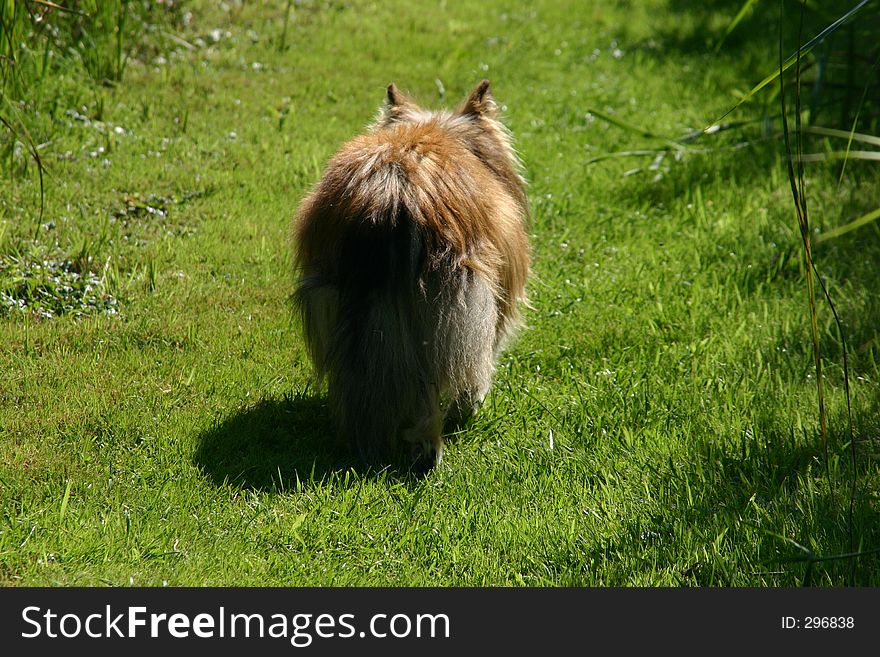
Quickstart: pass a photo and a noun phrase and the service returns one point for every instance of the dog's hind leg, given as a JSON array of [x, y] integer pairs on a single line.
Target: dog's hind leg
[[424, 433], [468, 333]]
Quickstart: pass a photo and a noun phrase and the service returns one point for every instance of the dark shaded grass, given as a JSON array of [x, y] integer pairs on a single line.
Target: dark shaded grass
[[273, 444], [277, 445]]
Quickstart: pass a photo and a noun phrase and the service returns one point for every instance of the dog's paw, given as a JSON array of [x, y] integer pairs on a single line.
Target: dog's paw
[[425, 456]]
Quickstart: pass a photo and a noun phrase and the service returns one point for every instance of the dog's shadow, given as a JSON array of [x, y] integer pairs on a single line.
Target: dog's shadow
[[276, 443], [273, 444]]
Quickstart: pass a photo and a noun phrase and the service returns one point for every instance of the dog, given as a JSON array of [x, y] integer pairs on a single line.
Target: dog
[[412, 255]]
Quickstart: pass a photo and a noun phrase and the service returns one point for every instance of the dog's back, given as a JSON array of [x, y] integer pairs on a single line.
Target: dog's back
[[413, 256]]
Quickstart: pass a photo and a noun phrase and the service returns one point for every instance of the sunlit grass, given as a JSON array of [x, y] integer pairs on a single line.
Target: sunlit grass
[[655, 423]]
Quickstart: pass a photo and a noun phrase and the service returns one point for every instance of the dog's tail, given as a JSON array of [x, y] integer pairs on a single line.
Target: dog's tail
[[382, 379], [365, 321]]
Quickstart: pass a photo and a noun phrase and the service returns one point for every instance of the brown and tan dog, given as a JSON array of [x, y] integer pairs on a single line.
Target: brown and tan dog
[[413, 256]]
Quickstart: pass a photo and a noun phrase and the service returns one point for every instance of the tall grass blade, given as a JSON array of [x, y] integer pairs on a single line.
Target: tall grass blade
[[53, 5], [34, 153], [282, 44], [798, 193], [864, 220], [742, 13], [619, 154], [794, 59], [642, 132], [843, 134], [852, 442], [840, 155], [873, 140], [121, 54]]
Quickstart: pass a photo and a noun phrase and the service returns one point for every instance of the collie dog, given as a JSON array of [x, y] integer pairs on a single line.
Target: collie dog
[[412, 255]]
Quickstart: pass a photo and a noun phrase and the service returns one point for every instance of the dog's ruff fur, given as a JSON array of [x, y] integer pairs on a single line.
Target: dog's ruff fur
[[412, 254]]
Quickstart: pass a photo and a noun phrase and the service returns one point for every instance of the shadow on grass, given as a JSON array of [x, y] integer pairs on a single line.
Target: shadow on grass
[[764, 497], [701, 26], [272, 444], [276, 443]]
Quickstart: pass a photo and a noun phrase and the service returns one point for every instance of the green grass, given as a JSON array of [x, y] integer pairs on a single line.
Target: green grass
[[655, 424]]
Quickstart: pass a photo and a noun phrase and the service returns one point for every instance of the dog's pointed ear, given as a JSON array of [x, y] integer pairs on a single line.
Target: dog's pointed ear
[[397, 104], [480, 102], [395, 96]]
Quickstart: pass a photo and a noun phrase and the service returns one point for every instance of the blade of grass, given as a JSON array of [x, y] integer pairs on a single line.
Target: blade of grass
[[282, 44], [840, 155], [65, 500], [864, 220], [642, 132], [794, 59], [618, 154], [743, 11], [858, 113], [810, 556], [852, 442], [843, 134], [798, 193], [53, 5], [34, 153]]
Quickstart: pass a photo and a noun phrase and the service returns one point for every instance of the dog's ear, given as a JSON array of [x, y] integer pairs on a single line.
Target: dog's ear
[[397, 104], [395, 97], [480, 102]]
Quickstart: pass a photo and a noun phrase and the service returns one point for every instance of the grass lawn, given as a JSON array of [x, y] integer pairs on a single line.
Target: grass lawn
[[655, 424]]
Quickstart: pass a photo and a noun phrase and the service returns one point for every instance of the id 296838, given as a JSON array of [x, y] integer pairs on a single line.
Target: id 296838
[[818, 622]]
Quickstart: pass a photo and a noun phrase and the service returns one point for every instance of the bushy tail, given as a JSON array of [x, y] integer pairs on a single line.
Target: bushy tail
[[368, 334]]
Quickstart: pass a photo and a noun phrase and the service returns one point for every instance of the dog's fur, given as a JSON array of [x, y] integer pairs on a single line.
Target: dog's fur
[[413, 256]]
